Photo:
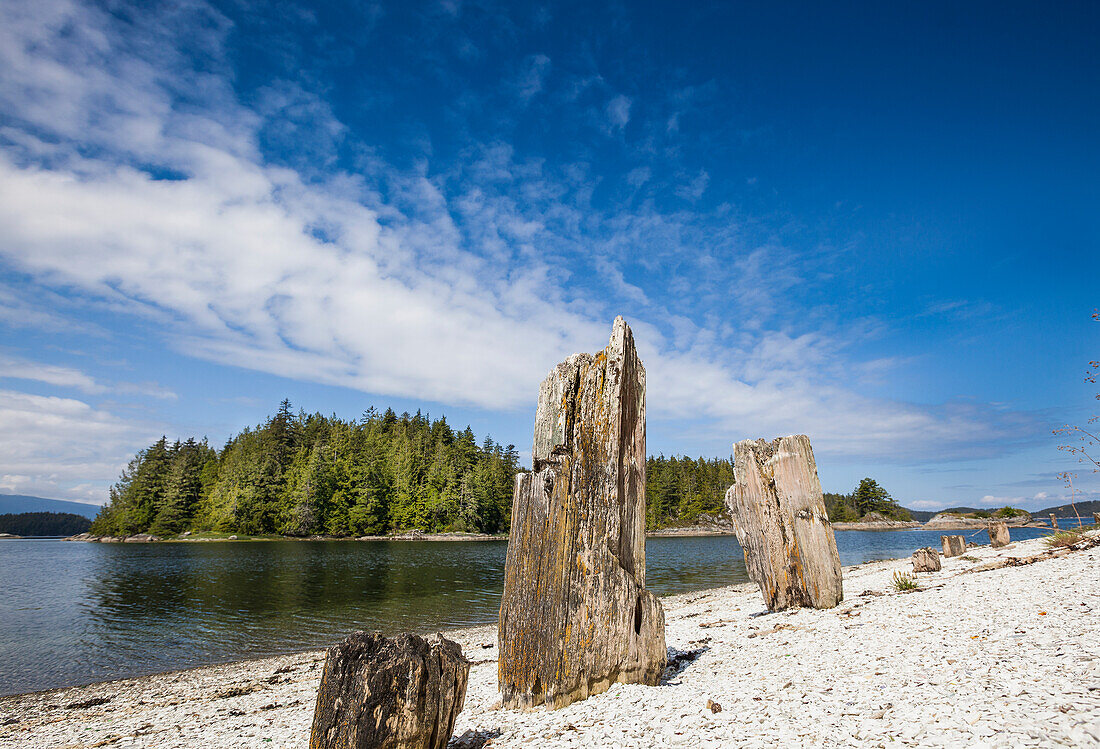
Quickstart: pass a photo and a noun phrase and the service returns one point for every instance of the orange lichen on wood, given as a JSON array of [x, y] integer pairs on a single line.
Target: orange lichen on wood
[[575, 616]]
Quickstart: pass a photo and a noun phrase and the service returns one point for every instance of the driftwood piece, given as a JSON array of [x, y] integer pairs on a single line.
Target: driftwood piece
[[397, 693], [575, 616], [926, 560], [780, 519], [1096, 518], [1053, 521], [953, 546], [998, 534]]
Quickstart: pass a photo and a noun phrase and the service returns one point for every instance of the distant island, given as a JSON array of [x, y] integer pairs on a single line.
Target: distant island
[[301, 475], [43, 524]]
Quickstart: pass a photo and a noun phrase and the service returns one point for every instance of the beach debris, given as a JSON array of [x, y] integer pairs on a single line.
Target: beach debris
[[471, 739], [713, 706], [926, 560], [398, 693], [575, 616], [781, 523], [237, 691], [85, 704], [1053, 521], [953, 546], [998, 534]]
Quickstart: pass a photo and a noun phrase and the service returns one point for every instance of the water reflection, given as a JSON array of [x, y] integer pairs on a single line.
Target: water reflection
[[76, 613]]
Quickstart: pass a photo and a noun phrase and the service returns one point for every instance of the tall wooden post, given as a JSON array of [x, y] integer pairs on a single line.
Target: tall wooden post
[[575, 616]]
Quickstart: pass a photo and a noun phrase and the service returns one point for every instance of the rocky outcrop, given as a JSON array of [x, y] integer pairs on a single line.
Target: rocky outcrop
[[139, 538], [876, 521], [575, 616], [779, 514], [948, 521], [399, 693]]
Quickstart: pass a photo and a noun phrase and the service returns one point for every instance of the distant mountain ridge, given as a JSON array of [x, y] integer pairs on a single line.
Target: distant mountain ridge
[[1066, 511], [18, 503]]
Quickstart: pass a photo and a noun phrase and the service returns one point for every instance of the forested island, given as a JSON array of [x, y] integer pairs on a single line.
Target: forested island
[[868, 497], [301, 474], [43, 523]]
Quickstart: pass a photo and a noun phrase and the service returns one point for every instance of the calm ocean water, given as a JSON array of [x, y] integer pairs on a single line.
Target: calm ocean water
[[74, 613]]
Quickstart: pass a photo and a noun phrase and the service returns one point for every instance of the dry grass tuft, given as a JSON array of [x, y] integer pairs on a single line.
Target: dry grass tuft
[[903, 583]]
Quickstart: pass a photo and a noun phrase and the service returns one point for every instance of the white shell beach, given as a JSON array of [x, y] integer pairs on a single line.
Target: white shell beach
[[1005, 657]]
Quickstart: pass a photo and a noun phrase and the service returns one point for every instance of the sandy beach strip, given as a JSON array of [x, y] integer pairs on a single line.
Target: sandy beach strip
[[1005, 657]]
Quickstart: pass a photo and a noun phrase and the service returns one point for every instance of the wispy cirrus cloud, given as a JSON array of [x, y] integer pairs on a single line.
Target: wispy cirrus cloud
[[133, 175]]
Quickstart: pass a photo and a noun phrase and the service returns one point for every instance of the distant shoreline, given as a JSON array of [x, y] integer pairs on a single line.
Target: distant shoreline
[[685, 532]]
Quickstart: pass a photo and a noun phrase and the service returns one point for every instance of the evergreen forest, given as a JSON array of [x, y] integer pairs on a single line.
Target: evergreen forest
[[300, 474], [43, 524]]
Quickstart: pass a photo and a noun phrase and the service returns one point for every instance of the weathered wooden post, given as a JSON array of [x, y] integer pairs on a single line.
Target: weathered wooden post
[[575, 616], [779, 515], [927, 559], [399, 693], [1053, 521], [953, 546], [998, 534], [1096, 518]]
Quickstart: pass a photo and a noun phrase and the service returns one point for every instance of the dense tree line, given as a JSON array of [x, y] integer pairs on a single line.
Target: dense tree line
[[43, 524], [867, 497], [680, 489], [304, 474]]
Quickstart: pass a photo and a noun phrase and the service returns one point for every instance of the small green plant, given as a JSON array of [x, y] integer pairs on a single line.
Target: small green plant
[[970, 558], [903, 583]]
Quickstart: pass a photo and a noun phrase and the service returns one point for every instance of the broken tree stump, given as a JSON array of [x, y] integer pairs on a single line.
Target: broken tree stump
[[575, 616], [998, 534], [953, 546], [399, 693], [779, 515], [1053, 521], [1096, 518], [927, 559]]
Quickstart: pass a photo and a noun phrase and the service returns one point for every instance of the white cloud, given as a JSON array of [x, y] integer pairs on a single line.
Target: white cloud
[[49, 374], [63, 447], [67, 377], [462, 286], [618, 111], [694, 189], [533, 76]]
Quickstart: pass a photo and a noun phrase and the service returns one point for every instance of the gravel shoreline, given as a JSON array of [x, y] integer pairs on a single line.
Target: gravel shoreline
[[1004, 658]]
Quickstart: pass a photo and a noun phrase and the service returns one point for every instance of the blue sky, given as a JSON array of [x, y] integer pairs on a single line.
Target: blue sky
[[876, 225]]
